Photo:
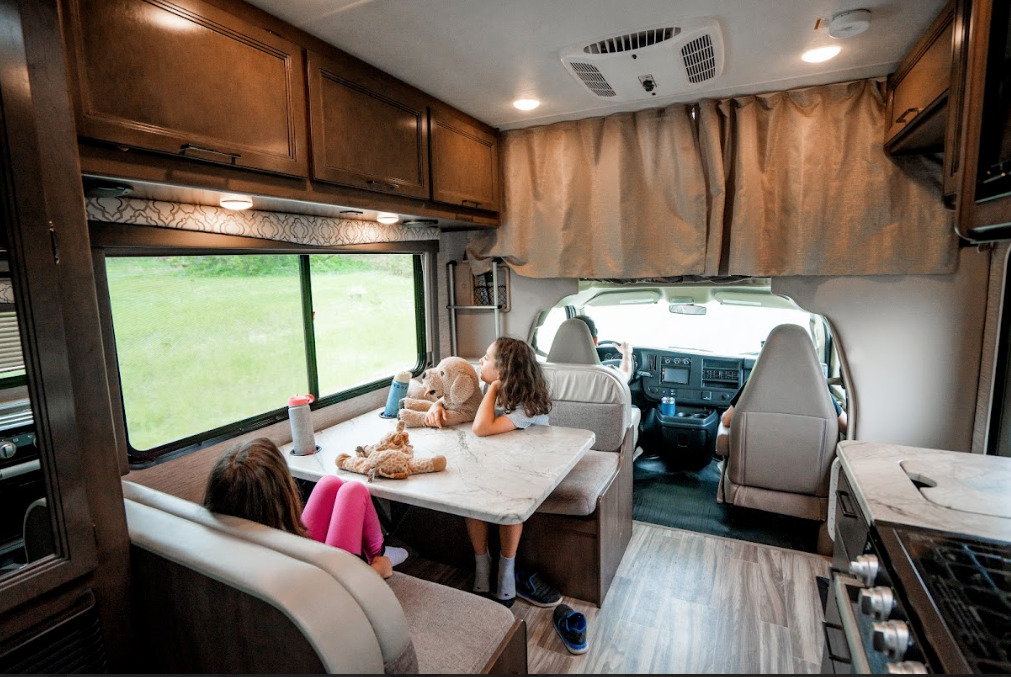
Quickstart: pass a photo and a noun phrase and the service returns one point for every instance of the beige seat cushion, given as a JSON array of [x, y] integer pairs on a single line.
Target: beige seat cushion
[[453, 631], [577, 494]]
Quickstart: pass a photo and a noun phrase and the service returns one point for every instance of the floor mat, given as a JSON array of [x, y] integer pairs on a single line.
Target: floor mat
[[686, 499]]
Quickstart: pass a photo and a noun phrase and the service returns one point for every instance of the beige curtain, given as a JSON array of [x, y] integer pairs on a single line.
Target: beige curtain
[[809, 190], [622, 196]]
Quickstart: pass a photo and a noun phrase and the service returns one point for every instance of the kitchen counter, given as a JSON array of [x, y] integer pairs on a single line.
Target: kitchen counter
[[944, 490]]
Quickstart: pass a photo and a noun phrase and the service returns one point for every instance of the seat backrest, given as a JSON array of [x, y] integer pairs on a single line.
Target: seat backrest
[[372, 596], [592, 397], [210, 602], [785, 423], [38, 531], [573, 344]]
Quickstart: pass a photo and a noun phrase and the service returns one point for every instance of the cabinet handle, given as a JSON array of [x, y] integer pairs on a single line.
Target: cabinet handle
[[902, 118], [382, 184], [471, 202], [183, 149], [845, 505]]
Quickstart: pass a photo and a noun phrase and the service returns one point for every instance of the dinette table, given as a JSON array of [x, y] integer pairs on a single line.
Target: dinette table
[[501, 478]]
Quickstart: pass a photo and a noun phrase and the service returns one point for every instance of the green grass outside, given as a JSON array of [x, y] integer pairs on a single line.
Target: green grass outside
[[198, 349]]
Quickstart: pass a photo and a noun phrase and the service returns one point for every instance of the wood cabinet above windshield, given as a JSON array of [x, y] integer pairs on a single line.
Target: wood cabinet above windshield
[[368, 130], [186, 78]]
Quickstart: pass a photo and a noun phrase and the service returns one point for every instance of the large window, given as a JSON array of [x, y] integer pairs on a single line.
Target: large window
[[207, 345]]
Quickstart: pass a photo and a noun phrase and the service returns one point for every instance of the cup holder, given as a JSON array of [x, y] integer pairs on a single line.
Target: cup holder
[[698, 414], [682, 414]]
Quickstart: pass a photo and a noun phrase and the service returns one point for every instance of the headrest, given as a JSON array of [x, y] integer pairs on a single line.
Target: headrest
[[787, 378], [573, 344]]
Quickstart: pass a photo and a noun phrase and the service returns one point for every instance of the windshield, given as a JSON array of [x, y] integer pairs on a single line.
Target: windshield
[[728, 326]]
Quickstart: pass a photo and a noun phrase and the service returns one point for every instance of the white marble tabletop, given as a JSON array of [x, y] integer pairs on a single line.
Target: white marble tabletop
[[501, 478], [944, 490]]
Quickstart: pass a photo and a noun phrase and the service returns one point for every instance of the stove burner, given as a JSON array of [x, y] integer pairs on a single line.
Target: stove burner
[[970, 583]]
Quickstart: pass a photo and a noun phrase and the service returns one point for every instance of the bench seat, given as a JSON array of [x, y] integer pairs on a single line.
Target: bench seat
[[417, 625]]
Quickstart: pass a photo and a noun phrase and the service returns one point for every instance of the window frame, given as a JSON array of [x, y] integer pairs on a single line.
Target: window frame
[[120, 240]]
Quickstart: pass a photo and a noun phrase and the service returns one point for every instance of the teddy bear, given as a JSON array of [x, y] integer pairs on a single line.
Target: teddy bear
[[455, 384], [392, 457]]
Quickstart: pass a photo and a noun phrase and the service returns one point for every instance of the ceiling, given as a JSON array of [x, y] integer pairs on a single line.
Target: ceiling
[[480, 55]]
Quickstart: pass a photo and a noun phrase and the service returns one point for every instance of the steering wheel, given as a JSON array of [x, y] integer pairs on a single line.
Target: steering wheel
[[605, 348]]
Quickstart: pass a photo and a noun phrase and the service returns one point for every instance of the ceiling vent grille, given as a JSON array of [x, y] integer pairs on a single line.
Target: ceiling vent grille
[[630, 41], [659, 61], [592, 78], [699, 59]]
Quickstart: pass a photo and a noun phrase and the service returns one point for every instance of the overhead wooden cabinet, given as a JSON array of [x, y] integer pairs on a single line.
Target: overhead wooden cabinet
[[184, 77], [368, 130], [918, 92], [465, 167]]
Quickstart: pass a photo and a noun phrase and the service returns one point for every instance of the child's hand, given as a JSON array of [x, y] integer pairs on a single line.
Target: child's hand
[[436, 416], [382, 565]]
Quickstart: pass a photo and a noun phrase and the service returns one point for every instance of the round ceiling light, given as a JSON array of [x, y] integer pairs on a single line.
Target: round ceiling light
[[383, 217], [236, 201], [819, 54], [526, 104]]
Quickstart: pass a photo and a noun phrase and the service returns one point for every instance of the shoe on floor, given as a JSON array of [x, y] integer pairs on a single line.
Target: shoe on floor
[[534, 589], [571, 627], [396, 555]]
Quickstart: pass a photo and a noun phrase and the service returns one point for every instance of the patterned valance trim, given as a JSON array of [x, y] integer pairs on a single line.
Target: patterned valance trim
[[319, 231], [6, 291]]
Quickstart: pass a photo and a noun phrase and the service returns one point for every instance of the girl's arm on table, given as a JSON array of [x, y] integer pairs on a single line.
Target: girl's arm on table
[[486, 422]]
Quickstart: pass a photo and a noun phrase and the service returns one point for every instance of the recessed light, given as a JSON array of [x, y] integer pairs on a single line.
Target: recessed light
[[526, 104], [382, 217], [236, 201], [819, 54]]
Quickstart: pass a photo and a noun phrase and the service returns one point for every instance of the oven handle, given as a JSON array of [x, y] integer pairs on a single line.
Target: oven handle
[[20, 469], [850, 630]]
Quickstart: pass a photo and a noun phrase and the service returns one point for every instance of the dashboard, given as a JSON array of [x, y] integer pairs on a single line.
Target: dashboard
[[699, 379]]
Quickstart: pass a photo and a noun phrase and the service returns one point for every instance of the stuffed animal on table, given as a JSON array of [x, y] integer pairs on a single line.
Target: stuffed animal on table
[[455, 384], [392, 457]]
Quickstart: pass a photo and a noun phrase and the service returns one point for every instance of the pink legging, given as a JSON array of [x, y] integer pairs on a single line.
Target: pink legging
[[341, 514]]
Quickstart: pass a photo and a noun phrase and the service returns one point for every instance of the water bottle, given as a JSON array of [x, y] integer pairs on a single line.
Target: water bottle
[[667, 407], [398, 390], [303, 441]]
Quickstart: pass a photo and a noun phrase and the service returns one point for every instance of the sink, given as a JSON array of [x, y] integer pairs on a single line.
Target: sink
[[967, 484]]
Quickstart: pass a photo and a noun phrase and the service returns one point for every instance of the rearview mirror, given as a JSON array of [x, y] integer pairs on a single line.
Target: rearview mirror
[[687, 309]]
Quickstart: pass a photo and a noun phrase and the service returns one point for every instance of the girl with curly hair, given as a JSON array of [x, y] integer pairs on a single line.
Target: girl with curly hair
[[517, 397]]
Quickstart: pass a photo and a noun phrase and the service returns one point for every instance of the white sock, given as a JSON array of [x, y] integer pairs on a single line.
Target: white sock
[[506, 577], [396, 555], [482, 572]]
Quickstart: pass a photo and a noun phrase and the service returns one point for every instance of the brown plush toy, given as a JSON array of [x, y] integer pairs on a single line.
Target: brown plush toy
[[392, 457], [455, 384]]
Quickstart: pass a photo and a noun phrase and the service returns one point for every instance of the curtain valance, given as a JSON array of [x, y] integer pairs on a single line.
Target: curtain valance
[[787, 183]]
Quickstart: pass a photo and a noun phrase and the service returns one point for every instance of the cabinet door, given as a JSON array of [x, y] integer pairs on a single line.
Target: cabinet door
[[919, 89], [184, 77], [368, 130], [465, 167]]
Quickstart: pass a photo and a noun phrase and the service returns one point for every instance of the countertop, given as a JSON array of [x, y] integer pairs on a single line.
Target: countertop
[[944, 490]]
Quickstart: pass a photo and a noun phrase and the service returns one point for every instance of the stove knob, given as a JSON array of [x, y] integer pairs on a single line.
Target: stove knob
[[865, 568], [877, 603], [8, 449], [891, 638], [907, 668]]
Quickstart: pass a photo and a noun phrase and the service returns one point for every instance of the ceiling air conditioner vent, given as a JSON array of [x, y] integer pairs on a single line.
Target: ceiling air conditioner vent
[[660, 61], [592, 78], [700, 60], [630, 41]]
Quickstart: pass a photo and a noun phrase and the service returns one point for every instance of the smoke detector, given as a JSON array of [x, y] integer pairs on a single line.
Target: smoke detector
[[657, 61], [848, 24]]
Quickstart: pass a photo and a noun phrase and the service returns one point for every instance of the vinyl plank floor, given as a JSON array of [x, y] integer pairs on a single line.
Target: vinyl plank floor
[[683, 602]]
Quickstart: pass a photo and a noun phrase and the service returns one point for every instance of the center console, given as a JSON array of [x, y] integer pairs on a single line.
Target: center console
[[702, 387]]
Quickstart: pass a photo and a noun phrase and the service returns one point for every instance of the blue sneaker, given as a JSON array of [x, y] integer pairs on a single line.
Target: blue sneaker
[[534, 589], [571, 627]]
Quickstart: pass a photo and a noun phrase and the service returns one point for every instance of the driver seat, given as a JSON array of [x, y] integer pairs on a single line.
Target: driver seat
[[573, 344]]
